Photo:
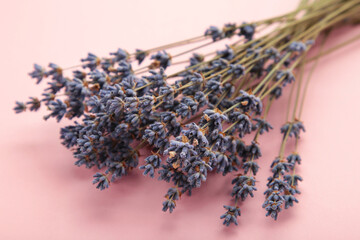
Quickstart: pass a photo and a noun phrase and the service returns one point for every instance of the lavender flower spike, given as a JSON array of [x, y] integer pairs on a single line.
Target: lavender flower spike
[[231, 214], [101, 180]]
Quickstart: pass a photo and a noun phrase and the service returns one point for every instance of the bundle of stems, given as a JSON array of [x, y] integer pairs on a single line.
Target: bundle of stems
[[195, 119]]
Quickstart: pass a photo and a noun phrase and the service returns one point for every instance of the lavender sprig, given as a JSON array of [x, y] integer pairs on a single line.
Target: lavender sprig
[[194, 120]]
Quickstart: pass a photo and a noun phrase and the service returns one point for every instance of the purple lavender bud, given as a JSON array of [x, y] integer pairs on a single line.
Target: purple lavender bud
[[140, 55], [276, 185], [297, 47], [201, 99], [206, 153], [221, 162], [124, 68], [128, 82], [173, 127], [287, 127], [57, 85], [279, 167], [197, 171], [39, 73], [77, 89], [107, 65], [250, 165], [168, 204], [241, 192], [292, 179], [258, 68], [196, 78], [237, 70], [163, 58], [48, 97], [299, 126], [247, 31], [243, 123], [168, 94], [236, 146], [253, 52], [95, 104], [229, 88], [34, 104], [97, 77], [141, 83], [89, 160], [57, 108], [289, 200], [273, 54], [179, 151], [79, 74], [242, 179], [165, 173], [231, 215], [249, 102], [55, 72], [213, 119], [20, 107], [276, 92], [227, 53], [197, 82], [115, 106], [293, 191], [157, 79], [229, 30], [70, 134], [194, 133], [118, 169], [119, 55], [85, 143], [101, 180], [155, 134], [294, 158], [253, 151], [219, 64], [133, 119], [293, 129], [196, 59], [172, 195], [273, 209], [215, 33], [132, 103], [152, 162], [91, 61], [187, 107], [262, 125], [146, 102], [288, 77]]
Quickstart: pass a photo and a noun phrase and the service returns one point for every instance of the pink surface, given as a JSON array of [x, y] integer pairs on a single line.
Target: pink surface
[[44, 196]]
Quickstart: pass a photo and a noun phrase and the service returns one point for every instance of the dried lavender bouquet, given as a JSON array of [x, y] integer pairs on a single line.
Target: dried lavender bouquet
[[194, 120]]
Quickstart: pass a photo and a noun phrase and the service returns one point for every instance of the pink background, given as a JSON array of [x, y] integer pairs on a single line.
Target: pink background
[[44, 196]]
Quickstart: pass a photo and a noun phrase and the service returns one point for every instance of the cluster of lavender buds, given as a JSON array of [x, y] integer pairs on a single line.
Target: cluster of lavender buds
[[197, 121]]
